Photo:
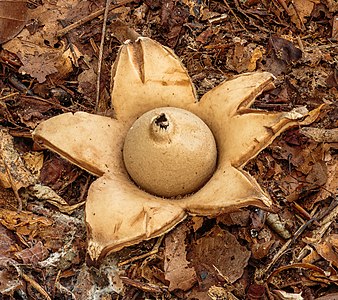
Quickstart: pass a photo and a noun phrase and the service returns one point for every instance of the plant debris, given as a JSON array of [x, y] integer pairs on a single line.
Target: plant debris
[[51, 57]]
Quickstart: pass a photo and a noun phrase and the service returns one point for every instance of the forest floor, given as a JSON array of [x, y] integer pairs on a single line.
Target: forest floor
[[51, 68]]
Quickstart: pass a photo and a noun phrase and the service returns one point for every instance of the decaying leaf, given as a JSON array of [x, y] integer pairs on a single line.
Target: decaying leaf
[[34, 254], [327, 248], [34, 162], [244, 57], [260, 250], [7, 244], [219, 254], [37, 66], [285, 50], [13, 172], [119, 213], [10, 281], [24, 223], [36, 49], [321, 135], [13, 16], [331, 186], [220, 293], [176, 267], [282, 295], [300, 9], [45, 193], [334, 34]]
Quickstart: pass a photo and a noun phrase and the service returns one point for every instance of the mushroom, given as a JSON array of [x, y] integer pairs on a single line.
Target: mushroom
[[146, 154], [169, 152]]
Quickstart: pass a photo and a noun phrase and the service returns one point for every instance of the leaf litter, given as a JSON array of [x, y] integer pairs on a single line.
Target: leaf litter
[[216, 41]]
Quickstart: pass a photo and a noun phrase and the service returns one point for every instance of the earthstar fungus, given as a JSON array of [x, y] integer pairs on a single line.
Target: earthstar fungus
[[169, 152], [147, 76]]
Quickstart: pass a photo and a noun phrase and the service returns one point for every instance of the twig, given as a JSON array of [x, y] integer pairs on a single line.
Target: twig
[[152, 252], [15, 190], [251, 21], [300, 43], [9, 96], [10, 178], [89, 18], [146, 287], [263, 273], [19, 85], [298, 16], [71, 46], [283, 4], [324, 224], [56, 105], [37, 286], [99, 64], [232, 12]]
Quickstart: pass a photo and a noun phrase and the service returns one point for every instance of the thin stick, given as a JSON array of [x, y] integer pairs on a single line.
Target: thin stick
[[152, 252], [37, 286], [298, 16], [88, 18], [283, 4], [99, 65], [233, 13], [71, 45]]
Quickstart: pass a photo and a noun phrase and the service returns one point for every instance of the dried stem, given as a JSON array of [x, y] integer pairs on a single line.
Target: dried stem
[[99, 65], [88, 18]]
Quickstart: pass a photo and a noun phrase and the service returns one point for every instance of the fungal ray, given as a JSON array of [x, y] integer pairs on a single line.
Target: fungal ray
[[118, 212]]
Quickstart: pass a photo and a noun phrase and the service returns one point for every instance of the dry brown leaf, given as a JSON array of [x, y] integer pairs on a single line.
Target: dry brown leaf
[[10, 281], [37, 66], [220, 293], [173, 17], [318, 175], [285, 50], [34, 254], [300, 9], [244, 57], [334, 34], [7, 243], [36, 50], [282, 295], [65, 233], [13, 16], [241, 218], [48, 15], [34, 162], [327, 248], [87, 83], [23, 222], [331, 186], [321, 135], [176, 267], [57, 173], [197, 222], [260, 250], [311, 255], [45, 193], [331, 296], [13, 172], [332, 5], [123, 32], [221, 250]]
